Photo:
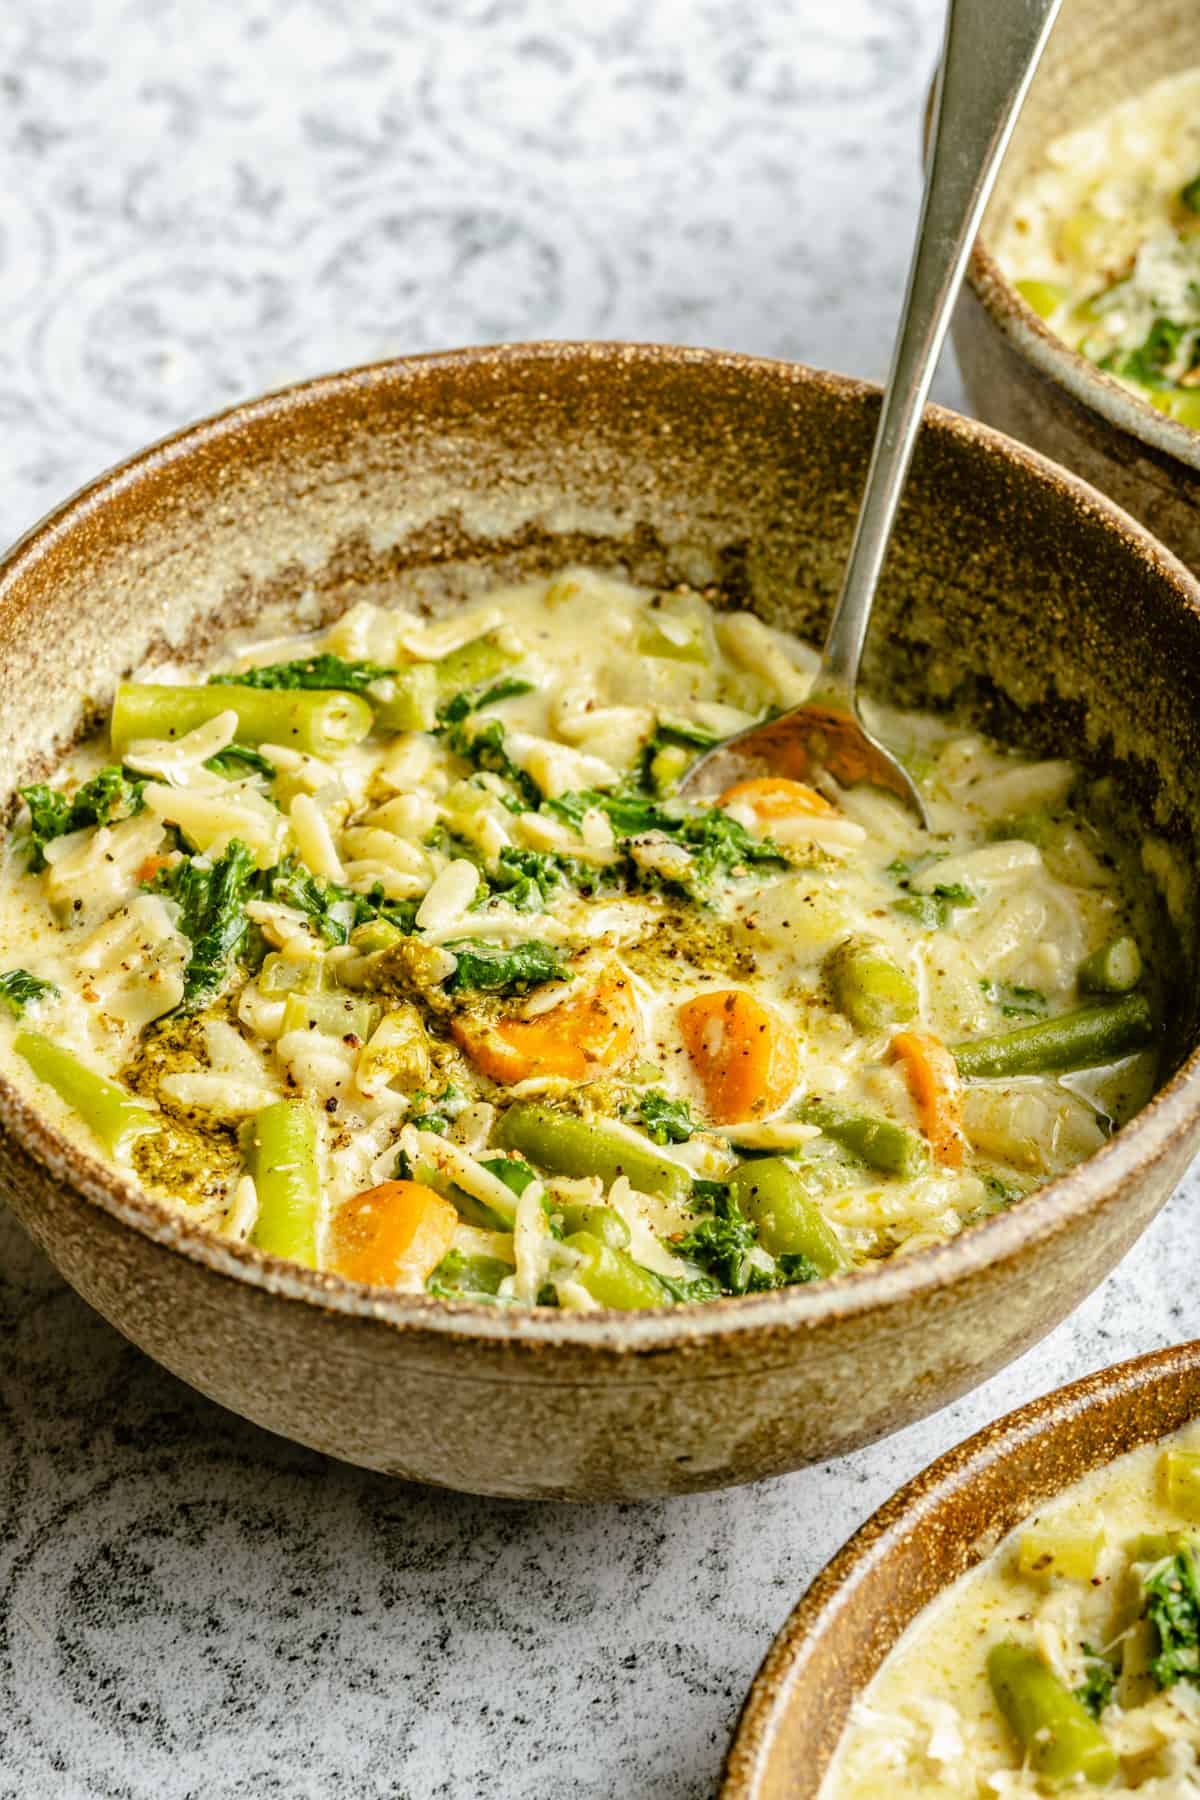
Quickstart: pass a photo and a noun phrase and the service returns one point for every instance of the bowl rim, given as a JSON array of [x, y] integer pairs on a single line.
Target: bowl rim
[[1149, 1138], [904, 1513], [1054, 359]]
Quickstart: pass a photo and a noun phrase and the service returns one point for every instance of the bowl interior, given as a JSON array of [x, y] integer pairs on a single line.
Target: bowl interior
[[943, 1523], [1013, 595]]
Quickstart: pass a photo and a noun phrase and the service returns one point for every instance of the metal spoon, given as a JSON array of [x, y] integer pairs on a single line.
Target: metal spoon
[[989, 55]]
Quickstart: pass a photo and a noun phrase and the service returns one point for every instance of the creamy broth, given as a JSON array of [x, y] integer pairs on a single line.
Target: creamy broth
[[1103, 240], [1078, 1588], [404, 960]]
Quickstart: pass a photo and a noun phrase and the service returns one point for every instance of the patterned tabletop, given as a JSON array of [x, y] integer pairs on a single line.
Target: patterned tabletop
[[200, 199]]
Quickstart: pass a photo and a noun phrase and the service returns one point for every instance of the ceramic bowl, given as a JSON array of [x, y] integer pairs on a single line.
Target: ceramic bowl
[[1018, 374], [935, 1529], [1014, 593]]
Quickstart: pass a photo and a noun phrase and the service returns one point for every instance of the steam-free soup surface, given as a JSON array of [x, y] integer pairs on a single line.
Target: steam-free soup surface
[[390, 949], [1103, 240], [1068, 1661]]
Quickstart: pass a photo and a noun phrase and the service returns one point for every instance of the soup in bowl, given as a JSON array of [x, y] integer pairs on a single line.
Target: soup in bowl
[[392, 1053]]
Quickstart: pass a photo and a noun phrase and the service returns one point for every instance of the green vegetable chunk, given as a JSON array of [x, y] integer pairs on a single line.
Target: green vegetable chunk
[[282, 1155], [773, 1194], [213, 915], [568, 1146], [1051, 1724], [113, 1115], [407, 699], [1095, 1691], [322, 723], [487, 969], [878, 1142], [462, 1277], [321, 672], [1189, 194], [1116, 968], [482, 660], [1181, 1482], [19, 989], [603, 1222], [1173, 1608], [868, 986], [109, 796], [613, 1278], [1077, 1040], [663, 1120]]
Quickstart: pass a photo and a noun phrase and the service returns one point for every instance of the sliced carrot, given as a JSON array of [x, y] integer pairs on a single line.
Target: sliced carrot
[[149, 866], [578, 1039], [935, 1085], [398, 1231], [775, 797], [743, 1052]]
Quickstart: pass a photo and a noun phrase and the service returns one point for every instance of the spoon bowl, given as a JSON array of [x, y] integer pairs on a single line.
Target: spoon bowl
[[986, 70]]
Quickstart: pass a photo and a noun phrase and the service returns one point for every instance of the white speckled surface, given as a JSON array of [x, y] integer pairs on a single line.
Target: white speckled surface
[[201, 200]]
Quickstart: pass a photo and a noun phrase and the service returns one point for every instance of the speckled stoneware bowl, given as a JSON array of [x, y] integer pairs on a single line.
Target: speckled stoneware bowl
[[945, 1521], [1018, 374], [1013, 588]]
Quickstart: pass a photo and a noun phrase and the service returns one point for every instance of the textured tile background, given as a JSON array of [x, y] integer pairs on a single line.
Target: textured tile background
[[201, 198]]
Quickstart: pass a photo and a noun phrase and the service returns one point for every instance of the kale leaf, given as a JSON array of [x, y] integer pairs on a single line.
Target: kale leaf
[[720, 1242], [1189, 194], [932, 911], [19, 989], [1095, 1691], [664, 1121], [513, 1171], [716, 843], [485, 749], [333, 909], [469, 700], [1149, 364], [442, 1109], [1173, 1608], [1014, 1002], [487, 969], [241, 759], [322, 671], [114, 793], [212, 902]]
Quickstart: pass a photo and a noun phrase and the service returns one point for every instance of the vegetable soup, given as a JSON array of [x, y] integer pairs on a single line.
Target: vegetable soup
[[1068, 1661], [390, 949], [1103, 241]]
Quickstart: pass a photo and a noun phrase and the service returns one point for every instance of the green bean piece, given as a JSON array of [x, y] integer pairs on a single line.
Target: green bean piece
[[882, 1145], [407, 700], [603, 1222], [1116, 968], [1181, 1482], [612, 1277], [321, 722], [1054, 1729], [570, 1146], [480, 660], [868, 986], [109, 1112], [790, 1223], [282, 1154], [1076, 1040]]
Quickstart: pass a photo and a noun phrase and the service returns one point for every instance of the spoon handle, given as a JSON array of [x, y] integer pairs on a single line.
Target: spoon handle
[[988, 58]]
